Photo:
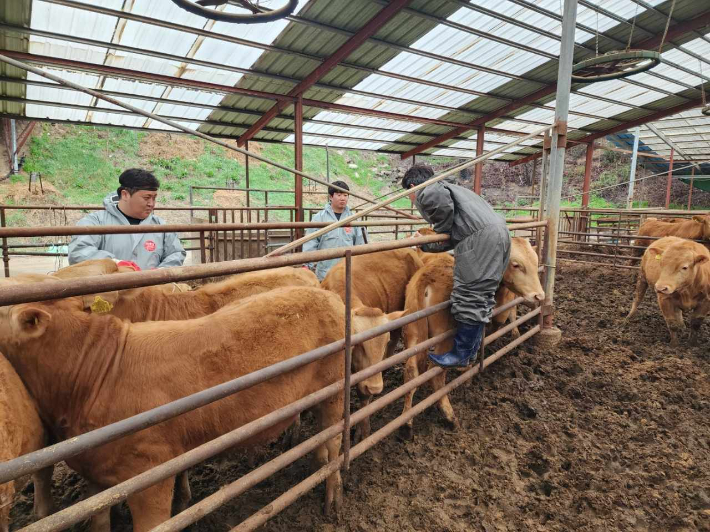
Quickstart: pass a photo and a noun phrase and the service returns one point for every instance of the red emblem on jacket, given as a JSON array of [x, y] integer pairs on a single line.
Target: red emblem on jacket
[[149, 245]]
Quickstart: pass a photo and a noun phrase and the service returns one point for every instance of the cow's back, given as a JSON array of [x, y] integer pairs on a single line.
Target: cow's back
[[379, 280], [689, 229]]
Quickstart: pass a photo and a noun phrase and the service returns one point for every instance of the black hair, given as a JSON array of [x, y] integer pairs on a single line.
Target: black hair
[[135, 179], [341, 184], [416, 175]]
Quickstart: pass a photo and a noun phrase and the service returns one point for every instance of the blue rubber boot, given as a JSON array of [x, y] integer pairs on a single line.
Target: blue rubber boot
[[466, 343]]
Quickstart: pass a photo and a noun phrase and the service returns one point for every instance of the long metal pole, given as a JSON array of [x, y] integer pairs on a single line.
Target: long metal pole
[[557, 150], [403, 193], [477, 182], [690, 190], [632, 171], [668, 181], [13, 146], [5, 253], [246, 173], [176, 125], [327, 164], [298, 163], [348, 358], [587, 175]]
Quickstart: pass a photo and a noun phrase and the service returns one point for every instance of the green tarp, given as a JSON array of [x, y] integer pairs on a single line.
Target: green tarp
[[699, 181]]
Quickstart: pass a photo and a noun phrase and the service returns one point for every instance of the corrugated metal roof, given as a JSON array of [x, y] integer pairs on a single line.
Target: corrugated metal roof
[[435, 60]]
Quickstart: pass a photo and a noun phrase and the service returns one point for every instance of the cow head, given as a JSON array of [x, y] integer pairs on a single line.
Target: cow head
[[372, 351], [705, 221], [521, 275], [678, 265]]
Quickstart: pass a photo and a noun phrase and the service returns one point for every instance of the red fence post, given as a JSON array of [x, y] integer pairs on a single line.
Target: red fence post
[[668, 181]]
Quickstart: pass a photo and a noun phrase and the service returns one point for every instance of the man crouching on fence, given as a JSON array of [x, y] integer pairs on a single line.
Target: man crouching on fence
[[481, 244]]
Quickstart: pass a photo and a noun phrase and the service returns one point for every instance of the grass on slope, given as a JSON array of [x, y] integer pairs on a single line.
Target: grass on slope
[[85, 162]]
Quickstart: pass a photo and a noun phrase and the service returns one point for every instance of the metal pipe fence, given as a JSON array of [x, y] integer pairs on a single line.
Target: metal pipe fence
[[67, 449]]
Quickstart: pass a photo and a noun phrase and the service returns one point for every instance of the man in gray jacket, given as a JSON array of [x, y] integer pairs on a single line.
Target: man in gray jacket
[[481, 244], [132, 204], [340, 237]]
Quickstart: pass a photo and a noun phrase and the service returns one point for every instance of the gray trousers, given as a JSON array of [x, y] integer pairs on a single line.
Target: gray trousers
[[481, 260]]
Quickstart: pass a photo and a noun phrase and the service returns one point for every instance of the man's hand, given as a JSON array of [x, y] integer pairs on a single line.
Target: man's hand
[[415, 235]]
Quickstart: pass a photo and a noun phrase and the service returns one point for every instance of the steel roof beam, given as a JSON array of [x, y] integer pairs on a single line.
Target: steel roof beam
[[667, 141], [368, 30], [623, 127], [226, 38], [674, 31]]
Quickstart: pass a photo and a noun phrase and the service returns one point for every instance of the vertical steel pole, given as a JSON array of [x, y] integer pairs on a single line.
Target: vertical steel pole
[[479, 166], [5, 252], [534, 173], [298, 163], [246, 164], [348, 360], [690, 190], [543, 188], [587, 175], [13, 146], [557, 149], [632, 170], [668, 181]]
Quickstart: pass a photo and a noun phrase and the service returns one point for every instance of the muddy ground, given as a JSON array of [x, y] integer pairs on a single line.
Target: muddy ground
[[608, 431]]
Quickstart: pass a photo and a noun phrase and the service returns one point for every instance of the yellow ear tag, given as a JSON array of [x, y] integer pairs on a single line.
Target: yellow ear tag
[[100, 305], [658, 257]]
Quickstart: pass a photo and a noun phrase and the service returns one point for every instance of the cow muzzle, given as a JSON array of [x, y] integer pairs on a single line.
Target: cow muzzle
[[371, 386], [663, 288]]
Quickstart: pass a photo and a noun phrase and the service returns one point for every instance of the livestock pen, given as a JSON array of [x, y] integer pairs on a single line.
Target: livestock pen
[[82, 510]]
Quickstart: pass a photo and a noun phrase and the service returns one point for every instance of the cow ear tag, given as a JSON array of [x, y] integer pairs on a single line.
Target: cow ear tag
[[658, 257], [100, 306]]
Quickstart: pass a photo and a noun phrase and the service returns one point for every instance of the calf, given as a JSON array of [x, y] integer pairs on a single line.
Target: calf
[[680, 272], [21, 432], [432, 284], [87, 370]]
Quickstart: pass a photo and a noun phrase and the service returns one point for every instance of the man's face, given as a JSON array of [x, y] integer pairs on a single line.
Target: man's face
[[339, 201], [139, 205]]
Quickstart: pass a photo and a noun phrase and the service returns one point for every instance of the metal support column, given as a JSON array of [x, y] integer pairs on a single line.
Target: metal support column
[[632, 170], [690, 190], [557, 151], [5, 252], [327, 164], [479, 167], [298, 163], [246, 163], [587, 175], [668, 181], [13, 146]]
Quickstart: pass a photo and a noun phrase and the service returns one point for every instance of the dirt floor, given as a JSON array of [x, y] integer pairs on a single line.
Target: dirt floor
[[608, 431]]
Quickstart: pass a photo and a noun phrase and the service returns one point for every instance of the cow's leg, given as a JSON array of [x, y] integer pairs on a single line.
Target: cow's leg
[[696, 321], [362, 429], [151, 506], [43, 505], [394, 340], [515, 333], [641, 287], [183, 494], [100, 522], [331, 412], [673, 316], [411, 371]]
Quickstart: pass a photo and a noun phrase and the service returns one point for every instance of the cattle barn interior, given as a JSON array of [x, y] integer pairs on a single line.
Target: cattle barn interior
[[196, 397]]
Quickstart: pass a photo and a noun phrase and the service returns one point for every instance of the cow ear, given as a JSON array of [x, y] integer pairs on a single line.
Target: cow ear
[[396, 315], [699, 259], [31, 322], [654, 251], [699, 219]]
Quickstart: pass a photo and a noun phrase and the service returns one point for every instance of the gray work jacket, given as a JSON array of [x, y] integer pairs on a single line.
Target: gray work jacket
[[147, 250], [456, 211], [340, 237]]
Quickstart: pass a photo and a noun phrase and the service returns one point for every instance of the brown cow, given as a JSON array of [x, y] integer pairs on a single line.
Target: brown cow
[[21, 432], [432, 284], [379, 281], [87, 370], [696, 228], [680, 272]]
